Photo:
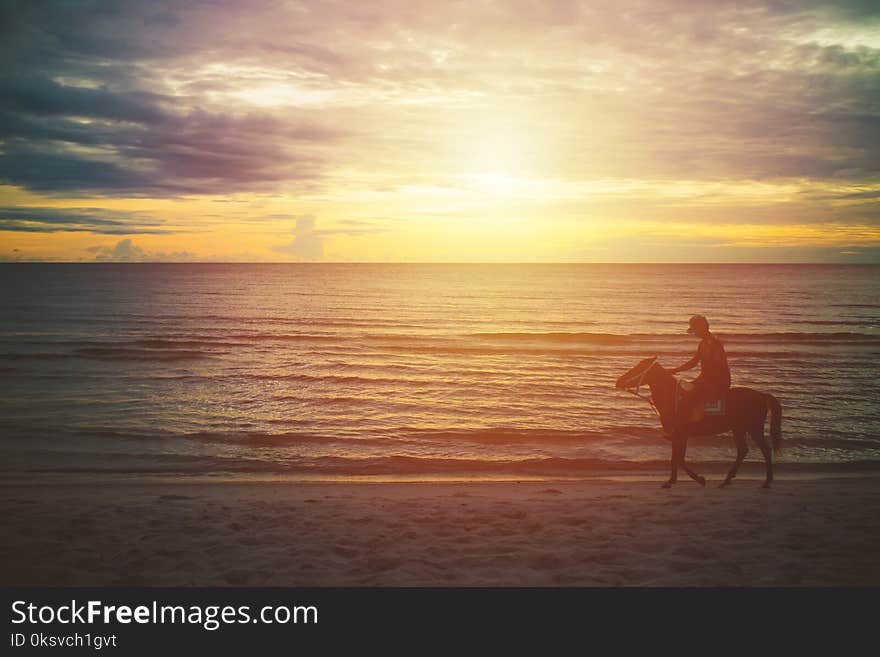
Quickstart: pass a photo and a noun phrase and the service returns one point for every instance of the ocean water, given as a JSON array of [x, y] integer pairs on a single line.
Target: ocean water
[[344, 370]]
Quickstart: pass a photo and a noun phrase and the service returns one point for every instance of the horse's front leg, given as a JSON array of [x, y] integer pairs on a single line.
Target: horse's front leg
[[676, 457], [693, 475]]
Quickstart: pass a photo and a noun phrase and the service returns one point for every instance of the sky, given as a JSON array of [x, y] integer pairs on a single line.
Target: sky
[[473, 131]]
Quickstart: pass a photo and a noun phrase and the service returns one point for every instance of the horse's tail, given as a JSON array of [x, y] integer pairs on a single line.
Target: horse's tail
[[775, 409]]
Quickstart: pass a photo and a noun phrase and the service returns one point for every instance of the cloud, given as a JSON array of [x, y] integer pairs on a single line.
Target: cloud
[[37, 95], [89, 109], [30, 219], [197, 152], [163, 98], [353, 227], [126, 251], [307, 243], [123, 251]]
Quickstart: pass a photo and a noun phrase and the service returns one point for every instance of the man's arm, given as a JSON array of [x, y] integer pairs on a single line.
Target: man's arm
[[692, 363]]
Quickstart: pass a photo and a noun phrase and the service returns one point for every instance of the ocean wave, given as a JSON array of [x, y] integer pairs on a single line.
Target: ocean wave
[[499, 350], [510, 436], [286, 439], [557, 336], [865, 323], [340, 466], [187, 342], [131, 353], [780, 337], [804, 338], [34, 356], [770, 338], [850, 444], [394, 438], [327, 378], [517, 436], [287, 337], [414, 466], [594, 352], [495, 343], [162, 343]]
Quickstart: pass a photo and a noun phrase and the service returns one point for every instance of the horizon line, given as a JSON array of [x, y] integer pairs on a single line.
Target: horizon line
[[407, 262]]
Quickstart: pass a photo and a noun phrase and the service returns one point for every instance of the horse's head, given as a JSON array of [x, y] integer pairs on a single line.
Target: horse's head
[[638, 374]]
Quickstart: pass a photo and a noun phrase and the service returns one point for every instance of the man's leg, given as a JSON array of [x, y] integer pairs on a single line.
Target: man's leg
[[690, 401], [685, 409]]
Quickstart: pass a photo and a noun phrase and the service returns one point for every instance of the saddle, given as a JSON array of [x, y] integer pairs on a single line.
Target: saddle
[[710, 407]]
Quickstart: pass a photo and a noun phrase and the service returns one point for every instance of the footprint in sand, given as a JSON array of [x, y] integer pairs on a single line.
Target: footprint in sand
[[238, 577], [348, 553]]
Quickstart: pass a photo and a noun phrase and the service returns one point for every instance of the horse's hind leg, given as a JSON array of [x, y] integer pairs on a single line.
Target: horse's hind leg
[[758, 436], [693, 475], [742, 448]]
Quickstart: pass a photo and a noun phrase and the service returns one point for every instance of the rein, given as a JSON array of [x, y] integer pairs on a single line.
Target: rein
[[635, 391]]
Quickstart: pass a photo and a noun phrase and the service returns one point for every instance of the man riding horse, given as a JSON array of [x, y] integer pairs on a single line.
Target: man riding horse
[[744, 410], [714, 379]]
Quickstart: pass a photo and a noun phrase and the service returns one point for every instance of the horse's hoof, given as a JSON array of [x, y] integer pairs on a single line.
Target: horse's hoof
[[724, 484], [766, 484], [701, 481], [667, 484]]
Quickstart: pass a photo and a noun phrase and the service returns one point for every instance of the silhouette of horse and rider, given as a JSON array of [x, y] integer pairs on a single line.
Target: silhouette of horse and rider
[[708, 405]]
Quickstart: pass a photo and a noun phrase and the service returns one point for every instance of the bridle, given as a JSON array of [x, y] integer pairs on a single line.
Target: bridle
[[639, 383]]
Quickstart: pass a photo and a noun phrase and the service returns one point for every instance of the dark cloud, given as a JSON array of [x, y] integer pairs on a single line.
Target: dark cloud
[[85, 110], [92, 220], [873, 194], [40, 96], [40, 167], [199, 153]]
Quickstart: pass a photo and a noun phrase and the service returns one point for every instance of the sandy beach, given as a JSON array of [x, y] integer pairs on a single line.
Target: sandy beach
[[597, 532]]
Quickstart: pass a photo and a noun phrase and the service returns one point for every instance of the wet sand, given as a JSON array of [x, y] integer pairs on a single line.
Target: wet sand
[[818, 531]]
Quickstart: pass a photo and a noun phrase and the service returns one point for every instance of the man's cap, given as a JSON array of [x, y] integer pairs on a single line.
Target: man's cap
[[696, 322]]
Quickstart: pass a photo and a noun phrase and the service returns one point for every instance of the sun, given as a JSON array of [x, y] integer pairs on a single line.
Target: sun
[[496, 150], [497, 154], [496, 183]]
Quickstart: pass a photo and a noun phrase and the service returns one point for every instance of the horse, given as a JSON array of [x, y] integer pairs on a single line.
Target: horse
[[745, 413]]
